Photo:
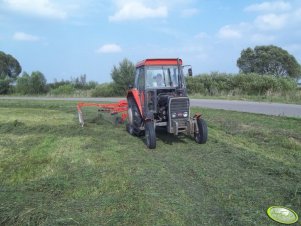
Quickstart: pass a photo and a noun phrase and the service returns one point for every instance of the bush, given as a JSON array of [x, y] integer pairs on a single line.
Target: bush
[[63, 90], [254, 84], [242, 84], [287, 85], [195, 85], [91, 85], [104, 90], [210, 84], [57, 84]]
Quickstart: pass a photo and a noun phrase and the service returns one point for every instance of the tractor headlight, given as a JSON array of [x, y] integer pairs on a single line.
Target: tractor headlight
[[185, 114], [173, 115]]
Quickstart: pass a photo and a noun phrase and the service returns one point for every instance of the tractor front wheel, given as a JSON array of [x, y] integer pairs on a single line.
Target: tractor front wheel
[[202, 135], [150, 135]]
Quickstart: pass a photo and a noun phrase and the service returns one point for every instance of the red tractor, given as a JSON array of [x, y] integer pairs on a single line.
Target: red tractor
[[159, 99]]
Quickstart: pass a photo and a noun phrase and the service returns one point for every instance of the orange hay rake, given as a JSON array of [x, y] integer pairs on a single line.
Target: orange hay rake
[[112, 108]]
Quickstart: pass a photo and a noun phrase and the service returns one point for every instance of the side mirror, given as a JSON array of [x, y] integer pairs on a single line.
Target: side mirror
[[190, 72]]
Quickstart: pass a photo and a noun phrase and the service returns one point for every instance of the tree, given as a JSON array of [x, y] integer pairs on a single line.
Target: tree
[[123, 76], [4, 84], [268, 60], [80, 82], [22, 84], [37, 83], [9, 66], [9, 71], [31, 84]]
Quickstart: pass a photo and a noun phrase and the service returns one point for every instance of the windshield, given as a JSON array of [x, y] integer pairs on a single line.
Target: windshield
[[162, 77]]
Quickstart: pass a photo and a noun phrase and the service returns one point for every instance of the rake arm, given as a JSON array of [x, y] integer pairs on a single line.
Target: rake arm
[[111, 108]]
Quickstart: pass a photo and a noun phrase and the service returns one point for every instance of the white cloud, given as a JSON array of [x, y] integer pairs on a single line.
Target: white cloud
[[109, 48], [135, 10], [270, 6], [21, 36], [266, 28], [42, 8], [227, 32], [271, 21]]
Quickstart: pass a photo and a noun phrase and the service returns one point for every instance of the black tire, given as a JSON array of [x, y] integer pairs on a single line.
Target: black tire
[[130, 129], [202, 136], [150, 135], [133, 127]]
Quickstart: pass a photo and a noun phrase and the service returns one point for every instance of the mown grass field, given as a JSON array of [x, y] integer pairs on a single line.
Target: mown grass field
[[53, 172]]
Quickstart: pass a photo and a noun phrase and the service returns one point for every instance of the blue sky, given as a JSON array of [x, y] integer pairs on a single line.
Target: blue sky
[[67, 38]]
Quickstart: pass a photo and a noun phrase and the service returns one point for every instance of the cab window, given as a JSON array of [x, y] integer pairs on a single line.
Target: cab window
[[141, 79]]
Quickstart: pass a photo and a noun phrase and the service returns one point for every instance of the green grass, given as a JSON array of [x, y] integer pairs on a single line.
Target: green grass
[[54, 172]]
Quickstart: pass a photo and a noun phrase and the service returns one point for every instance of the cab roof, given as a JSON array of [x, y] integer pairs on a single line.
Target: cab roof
[[159, 62]]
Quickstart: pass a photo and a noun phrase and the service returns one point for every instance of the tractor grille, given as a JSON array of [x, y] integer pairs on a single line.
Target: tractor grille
[[179, 110], [182, 122], [179, 105]]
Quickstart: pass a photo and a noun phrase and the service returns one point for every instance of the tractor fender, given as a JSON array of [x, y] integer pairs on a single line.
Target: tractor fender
[[135, 94]]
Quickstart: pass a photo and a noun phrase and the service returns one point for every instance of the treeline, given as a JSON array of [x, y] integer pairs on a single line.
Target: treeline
[[36, 84], [213, 84], [76, 86], [221, 84], [253, 64]]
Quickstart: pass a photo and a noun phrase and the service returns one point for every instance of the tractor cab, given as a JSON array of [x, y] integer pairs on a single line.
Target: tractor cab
[[159, 98], [160, 74], [157, 80]]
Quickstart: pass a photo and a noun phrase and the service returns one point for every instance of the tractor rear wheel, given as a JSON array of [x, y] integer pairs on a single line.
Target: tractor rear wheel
[[134, 118], [202, 135], [150, 135], [130, 129]]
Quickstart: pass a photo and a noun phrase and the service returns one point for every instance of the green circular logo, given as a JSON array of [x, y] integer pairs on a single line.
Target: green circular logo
[[282, 214]]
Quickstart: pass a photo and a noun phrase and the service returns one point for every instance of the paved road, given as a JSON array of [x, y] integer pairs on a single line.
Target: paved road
[[290, 110]]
